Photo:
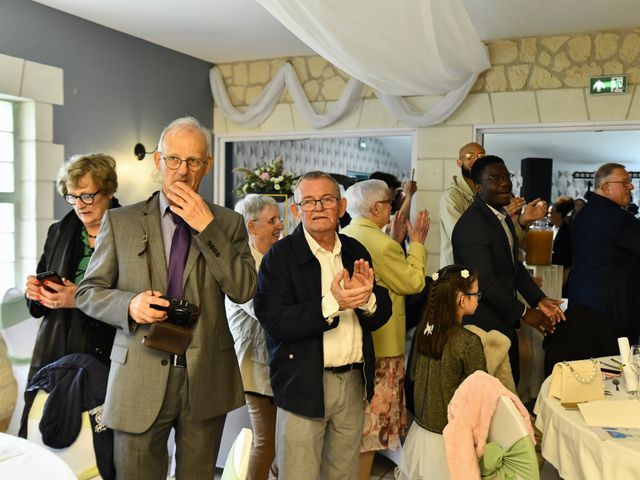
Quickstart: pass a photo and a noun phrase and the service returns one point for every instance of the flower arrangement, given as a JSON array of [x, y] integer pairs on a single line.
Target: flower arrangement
[[270, 178]]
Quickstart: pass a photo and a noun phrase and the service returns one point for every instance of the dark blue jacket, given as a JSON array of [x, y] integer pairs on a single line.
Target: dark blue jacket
[[605, 271], [288, 304]]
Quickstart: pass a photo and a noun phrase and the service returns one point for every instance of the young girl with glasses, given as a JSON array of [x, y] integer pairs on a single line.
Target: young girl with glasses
[[443, 355]]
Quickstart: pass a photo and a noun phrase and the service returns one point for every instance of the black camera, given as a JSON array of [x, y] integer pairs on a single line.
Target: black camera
[[179, 312]]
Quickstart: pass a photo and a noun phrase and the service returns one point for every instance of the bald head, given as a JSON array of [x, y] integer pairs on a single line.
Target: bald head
[[472, 147], [468, 155]]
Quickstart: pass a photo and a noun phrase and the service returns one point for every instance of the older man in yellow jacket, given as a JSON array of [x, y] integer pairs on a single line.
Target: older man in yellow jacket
[[369, 204]]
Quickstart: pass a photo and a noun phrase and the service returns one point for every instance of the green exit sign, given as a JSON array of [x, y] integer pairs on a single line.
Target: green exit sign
[[608, 85]]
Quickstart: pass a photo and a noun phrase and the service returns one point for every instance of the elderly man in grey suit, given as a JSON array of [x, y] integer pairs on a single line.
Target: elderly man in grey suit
[[138, 252]]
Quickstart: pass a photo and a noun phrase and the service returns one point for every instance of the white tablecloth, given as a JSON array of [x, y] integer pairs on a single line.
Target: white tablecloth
[[24, 460], [575, 450]]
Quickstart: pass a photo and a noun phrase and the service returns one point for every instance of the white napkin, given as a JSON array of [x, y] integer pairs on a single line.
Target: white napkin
[[630, 377]]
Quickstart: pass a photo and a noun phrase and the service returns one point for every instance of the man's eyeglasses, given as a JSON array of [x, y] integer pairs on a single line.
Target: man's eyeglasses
[[309, 205], [87, 198], [474, 156], [474, 294], [173, 162], [500, 177], [625, 183], [272, 221], [389, 202]]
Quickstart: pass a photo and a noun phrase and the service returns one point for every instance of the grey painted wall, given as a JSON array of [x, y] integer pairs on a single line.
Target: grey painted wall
[[118, 90]]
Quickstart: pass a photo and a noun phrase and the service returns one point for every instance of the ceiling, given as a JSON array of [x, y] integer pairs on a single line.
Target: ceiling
[[222, 31]]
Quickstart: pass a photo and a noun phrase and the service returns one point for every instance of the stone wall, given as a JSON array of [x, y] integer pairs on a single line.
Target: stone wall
[[530, 63], [522, 98]]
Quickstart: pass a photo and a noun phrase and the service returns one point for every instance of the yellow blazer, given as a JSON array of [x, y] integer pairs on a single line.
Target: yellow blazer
[[401, 275]]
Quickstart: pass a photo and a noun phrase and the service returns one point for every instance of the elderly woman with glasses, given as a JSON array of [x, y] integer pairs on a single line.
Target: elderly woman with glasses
[[264, 225], [88, 183], [369, 204]]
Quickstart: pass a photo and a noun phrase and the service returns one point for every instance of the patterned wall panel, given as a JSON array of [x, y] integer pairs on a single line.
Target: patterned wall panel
[[333, 155]]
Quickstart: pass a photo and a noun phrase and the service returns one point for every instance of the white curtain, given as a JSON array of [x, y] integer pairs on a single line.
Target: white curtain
[[262, 106], [402, 47], [408, 47]]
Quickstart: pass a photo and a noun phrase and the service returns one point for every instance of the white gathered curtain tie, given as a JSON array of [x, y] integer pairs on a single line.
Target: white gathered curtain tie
[[262, 107], [407, 48]]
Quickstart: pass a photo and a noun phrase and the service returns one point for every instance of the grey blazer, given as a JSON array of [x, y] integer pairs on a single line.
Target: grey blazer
[[219, 263]]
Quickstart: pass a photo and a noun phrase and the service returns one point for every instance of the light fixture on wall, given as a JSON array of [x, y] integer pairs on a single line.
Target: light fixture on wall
[[362, 143], [140, 151]]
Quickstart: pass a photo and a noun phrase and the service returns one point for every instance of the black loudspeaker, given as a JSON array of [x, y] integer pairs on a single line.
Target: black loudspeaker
[[536, 178]]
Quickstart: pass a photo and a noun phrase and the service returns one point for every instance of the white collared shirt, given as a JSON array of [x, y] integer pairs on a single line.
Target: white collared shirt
[[343, 344], [502, 216]]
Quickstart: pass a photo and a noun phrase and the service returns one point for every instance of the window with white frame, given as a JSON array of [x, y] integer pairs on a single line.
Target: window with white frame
[[9, 195]]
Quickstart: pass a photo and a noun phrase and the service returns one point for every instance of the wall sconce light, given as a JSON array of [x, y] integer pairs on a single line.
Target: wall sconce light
[[362, 143], [140, 151]]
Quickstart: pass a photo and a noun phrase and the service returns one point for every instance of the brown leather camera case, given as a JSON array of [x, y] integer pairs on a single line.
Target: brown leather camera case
[[168, 337]]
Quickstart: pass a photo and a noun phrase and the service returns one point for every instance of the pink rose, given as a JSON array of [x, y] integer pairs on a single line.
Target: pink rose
[[265, 176]]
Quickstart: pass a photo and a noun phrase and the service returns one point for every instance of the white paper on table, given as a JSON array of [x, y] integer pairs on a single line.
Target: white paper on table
[[630, 377], [611, 413]]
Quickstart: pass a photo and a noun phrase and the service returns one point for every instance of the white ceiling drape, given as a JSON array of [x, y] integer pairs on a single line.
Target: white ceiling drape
[[405, 47], [409, 47]]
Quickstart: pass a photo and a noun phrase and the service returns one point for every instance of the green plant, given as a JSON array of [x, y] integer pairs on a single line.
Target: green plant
[[268, 178]]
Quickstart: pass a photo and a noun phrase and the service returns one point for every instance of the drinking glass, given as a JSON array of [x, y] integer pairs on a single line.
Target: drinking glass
[[634, 362]]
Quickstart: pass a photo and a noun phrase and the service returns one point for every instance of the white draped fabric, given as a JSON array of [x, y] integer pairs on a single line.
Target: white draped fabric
[[262, 107], [412, 47], [407, 47]]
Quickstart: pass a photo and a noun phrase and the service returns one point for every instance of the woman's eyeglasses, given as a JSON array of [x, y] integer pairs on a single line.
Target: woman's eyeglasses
[[474, 294], [87, 198], [271, 221]]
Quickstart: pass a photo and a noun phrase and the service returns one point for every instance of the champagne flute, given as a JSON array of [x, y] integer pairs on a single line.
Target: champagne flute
[[634, 362]]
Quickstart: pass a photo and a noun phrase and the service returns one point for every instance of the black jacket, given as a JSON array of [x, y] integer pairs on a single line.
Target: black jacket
[[66, 330], [606, 262], [480, 243], [288, 304], [75, 383]]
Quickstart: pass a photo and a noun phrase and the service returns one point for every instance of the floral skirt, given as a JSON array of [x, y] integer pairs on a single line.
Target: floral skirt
[[385, 417]]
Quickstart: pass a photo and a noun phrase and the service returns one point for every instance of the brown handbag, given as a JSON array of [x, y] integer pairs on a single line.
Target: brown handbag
[[168, 337]]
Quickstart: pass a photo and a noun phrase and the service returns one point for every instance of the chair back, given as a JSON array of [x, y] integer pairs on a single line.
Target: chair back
[[19, 328], [509, 451], [237, 463], [507, 426], [80, 455]]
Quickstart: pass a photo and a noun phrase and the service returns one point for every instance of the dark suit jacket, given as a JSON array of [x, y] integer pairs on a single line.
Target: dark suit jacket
[[480, 243], [606, 260], [288, 304], [219, 263]]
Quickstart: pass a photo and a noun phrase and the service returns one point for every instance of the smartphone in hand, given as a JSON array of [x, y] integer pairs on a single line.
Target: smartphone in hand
[[51, 277]]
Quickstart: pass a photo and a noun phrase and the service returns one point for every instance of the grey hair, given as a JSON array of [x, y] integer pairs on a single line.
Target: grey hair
[[603, 173], [315, 175], [186, 122], [252, 206], [361, 195]]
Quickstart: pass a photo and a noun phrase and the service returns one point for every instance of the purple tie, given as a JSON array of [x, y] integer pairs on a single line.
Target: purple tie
[[178, 256]]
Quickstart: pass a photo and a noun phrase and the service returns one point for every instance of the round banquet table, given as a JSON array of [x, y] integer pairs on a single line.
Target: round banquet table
[[24, 460], [575, 450]]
